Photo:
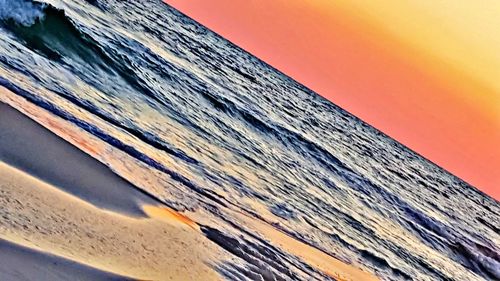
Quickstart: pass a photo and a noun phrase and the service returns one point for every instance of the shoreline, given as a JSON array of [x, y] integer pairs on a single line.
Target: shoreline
[[124, 206], [58, 200]]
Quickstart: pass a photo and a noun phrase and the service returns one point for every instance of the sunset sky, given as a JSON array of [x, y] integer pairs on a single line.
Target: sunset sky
[[426, 73]]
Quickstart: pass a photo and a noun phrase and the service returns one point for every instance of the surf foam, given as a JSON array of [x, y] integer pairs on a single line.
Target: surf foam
[[21, 11]]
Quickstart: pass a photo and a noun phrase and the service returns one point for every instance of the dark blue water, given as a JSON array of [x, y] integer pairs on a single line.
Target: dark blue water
[[215, 128]]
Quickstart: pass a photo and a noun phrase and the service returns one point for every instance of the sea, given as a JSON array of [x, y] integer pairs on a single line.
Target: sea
[[212, 128]]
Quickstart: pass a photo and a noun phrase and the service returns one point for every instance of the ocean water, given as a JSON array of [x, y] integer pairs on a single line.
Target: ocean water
[[214, 128]]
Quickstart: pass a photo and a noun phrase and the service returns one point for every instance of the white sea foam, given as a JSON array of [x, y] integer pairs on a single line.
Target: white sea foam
[[22, 11]]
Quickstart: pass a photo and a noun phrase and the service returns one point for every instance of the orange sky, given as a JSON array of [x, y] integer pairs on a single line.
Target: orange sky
[[423, 72]]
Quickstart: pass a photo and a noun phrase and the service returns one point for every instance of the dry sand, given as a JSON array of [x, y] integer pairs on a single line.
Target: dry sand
[[40, 216], [21, 263], [58, 200]]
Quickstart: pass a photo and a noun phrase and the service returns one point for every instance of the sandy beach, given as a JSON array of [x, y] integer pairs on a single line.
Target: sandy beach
[[138, 143], [63, 207], [95, 219], [22, 263]]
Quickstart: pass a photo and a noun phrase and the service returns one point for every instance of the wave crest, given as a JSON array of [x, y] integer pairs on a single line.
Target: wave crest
[[23, 12]]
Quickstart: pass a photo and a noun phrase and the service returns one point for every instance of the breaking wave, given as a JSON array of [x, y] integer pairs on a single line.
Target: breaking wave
[[22, 12]]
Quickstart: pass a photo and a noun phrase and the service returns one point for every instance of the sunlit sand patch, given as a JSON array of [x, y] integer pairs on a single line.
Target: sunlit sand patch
[[165, 213], [92, 148]]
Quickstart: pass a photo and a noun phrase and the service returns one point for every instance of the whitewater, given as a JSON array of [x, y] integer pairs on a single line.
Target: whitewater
[[215, 130]]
